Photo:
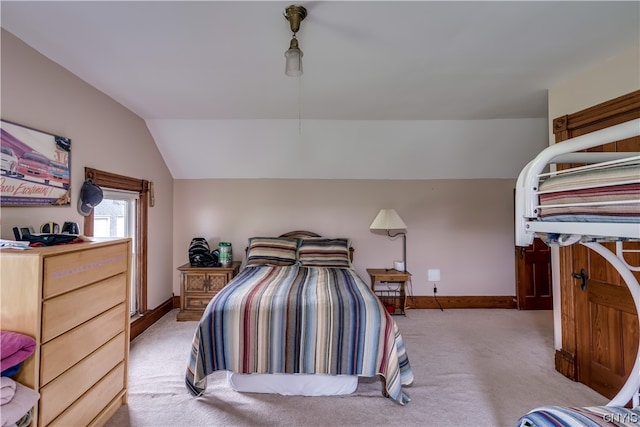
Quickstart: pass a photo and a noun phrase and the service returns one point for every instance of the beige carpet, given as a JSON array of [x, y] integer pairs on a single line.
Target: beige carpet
[[472, 367]]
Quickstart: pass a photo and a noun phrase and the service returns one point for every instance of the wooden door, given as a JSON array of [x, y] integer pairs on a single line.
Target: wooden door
[[599, 322], [607, 347], [533, 277], [608, 342]]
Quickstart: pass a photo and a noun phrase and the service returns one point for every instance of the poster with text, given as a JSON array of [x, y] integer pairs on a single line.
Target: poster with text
[[35, 167]]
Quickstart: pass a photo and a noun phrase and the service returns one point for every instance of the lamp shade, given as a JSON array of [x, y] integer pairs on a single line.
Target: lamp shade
[[293, 64], [388, 219]]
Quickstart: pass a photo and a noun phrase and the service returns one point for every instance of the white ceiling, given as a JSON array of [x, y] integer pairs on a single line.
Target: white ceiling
[[363, 60]]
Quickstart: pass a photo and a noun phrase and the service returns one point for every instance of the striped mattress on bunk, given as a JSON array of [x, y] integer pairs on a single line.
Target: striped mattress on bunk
[[594, 416], [610, 194]]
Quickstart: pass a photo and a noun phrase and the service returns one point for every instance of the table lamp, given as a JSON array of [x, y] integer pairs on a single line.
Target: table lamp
[[388, 219]]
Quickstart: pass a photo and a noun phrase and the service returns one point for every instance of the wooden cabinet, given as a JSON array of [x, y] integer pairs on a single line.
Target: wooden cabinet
[[199, 284], [74, 300]]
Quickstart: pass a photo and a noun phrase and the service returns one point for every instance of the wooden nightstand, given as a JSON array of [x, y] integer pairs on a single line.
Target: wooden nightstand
[[199, 284], [395, 297]]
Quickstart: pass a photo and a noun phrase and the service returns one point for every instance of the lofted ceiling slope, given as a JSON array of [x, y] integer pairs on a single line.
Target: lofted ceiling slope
[[171, 61]]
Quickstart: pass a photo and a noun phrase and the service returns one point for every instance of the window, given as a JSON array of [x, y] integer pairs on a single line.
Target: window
[[123, 212], [116, 216]]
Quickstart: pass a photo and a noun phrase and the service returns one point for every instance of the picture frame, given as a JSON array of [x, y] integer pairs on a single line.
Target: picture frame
[[35, 167]]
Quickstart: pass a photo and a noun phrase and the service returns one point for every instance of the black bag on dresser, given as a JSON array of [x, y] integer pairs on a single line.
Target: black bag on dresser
[[200, 254]]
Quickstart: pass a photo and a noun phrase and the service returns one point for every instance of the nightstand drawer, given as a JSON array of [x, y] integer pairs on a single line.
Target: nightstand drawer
[[388, 278], [194, 302], [205, 282]]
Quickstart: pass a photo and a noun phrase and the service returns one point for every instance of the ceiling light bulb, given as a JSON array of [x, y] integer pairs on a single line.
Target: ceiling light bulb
[[293, 64]]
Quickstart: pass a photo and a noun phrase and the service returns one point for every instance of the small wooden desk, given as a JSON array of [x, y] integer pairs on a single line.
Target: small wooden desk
[[395, 300]]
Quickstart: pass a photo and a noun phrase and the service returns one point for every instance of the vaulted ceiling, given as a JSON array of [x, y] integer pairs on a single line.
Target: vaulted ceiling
[[363, 60]]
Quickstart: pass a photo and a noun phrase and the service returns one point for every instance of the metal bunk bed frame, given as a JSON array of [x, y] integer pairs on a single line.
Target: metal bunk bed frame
[[527, 225]]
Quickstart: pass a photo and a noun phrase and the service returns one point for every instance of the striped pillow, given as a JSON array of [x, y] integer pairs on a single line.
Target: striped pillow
[[271, 251], [322, 252]]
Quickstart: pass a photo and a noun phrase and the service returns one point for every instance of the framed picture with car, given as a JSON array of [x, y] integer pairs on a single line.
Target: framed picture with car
[[35, 167]]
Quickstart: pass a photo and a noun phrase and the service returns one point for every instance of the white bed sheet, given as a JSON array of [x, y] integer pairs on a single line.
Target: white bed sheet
[[293, 384]]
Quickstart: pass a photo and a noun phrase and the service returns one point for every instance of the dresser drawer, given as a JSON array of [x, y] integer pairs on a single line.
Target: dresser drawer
[[67, 311], [63, 352], [88, 406], [60, 393], [66, 272]]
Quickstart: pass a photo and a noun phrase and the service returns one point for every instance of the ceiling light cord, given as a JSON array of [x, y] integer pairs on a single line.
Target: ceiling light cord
[[300, 107]]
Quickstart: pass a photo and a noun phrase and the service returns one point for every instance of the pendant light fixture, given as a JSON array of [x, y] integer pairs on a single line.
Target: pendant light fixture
[[293, 65]]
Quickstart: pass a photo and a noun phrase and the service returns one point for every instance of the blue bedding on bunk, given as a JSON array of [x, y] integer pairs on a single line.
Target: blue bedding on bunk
[[592, 218], [594, 416]]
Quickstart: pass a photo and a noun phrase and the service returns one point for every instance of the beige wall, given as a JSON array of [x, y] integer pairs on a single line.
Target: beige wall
[[618, 76], [463, 227], [38, 93], [474, 251], [615, 77]]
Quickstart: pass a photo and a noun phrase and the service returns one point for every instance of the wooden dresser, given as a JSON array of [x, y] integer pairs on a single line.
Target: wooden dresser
[[199, 284], [74, 300]]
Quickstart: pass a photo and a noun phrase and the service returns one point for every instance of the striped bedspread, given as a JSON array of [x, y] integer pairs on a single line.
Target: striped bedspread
[[293, 319], [598, 195], [594, 416]]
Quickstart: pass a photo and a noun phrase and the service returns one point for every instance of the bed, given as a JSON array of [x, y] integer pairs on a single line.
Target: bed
[[596, 202], [298, 314]]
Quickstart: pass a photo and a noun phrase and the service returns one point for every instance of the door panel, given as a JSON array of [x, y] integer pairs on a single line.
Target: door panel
[[607, 335], [630, 339], [533, 281]]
